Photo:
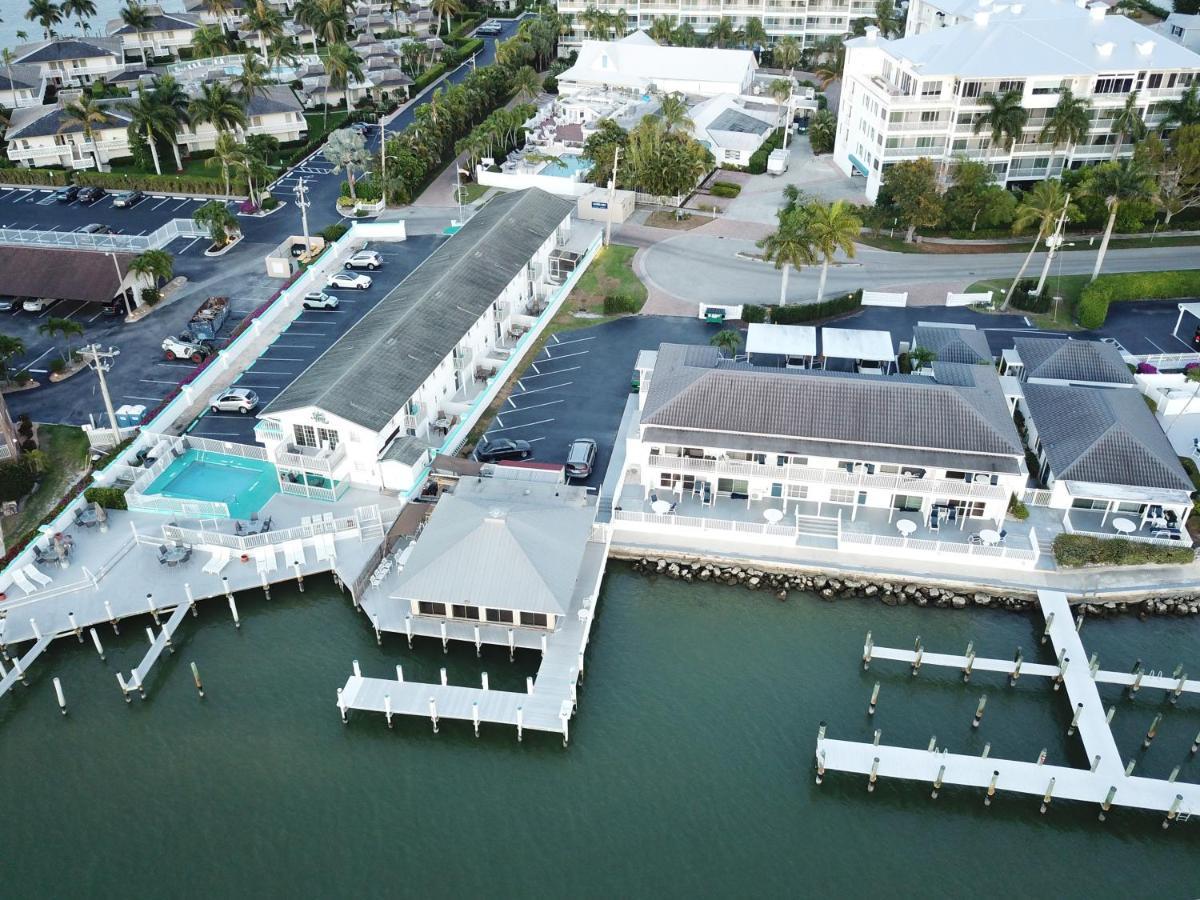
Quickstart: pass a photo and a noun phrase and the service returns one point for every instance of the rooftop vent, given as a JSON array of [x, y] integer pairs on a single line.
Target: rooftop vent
[[871, 32], [1145, 47], [981, 19], [1105, 49], [1098, 11]]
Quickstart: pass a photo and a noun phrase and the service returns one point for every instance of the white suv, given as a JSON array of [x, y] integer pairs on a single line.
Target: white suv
[[349, 280], [365, 259], [320, 300]]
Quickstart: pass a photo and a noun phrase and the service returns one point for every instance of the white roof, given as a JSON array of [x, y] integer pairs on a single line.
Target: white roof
[[1030, 44], [732, 122], [856, 343], [637, 64], [782, 340]]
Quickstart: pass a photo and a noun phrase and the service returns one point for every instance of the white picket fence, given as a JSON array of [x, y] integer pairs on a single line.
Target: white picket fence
[[977, 299], [883, 298]]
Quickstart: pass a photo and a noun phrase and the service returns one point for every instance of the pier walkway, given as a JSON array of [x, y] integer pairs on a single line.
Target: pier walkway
[[1105, 783]]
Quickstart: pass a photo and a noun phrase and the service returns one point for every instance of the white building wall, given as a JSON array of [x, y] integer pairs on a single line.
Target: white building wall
[[71, 150]]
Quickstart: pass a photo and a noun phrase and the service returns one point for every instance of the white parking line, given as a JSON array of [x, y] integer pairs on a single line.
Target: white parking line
[[136, 397], [189, 246], [182, 203], [8, 193], [294, 347], [566, 355], [275, 359], [161, 202], [157, 381], [23, 196], [271, 373], [45, 312], [34, 362], [68, 315], [526, 425], [1154, 345], [95, 317], [535, 406], [539, 390], [559, 343], [555, 372]]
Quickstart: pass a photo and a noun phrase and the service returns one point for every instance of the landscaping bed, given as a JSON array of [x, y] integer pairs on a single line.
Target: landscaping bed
[[665, 218], [1075, 550], [609, 277]]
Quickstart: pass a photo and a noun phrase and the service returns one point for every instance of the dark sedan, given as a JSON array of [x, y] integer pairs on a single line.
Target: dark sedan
[[67, 194], [90, 195], [503, 448]]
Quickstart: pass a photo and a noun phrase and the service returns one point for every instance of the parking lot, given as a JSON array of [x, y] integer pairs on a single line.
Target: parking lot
[[37, 209], [310, 334], [577, 387]]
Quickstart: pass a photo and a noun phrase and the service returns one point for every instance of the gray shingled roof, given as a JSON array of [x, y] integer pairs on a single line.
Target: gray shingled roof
[[278, 98], [961, 410], [159, 22], [23, 76], [501, 543], [372, 370], [1067, 360], [737, 121], [70, 48], [49, 120], [956, 345], [1105, 436], [406, 449]]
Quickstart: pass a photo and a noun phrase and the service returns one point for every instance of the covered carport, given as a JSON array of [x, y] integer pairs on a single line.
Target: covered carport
[[791, 346], [81, 276], [871, 351]]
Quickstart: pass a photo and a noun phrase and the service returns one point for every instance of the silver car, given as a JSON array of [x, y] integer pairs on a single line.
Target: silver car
[[238, 400], [365, 259], [320, 300]]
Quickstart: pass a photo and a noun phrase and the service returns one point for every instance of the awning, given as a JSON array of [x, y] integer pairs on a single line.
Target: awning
[[862, 170], [782, 340], [855, 343]]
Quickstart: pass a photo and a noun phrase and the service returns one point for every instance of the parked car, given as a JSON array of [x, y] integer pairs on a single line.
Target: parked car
[[125, 199], [320, 300], [95, 228], [365, 259], [363, 128], [8, 304], [36, 304], [90, 195], [238, 400], [490, 27], [349, 280], [185, 347], [66, 194], [503, 448], [581, 456]]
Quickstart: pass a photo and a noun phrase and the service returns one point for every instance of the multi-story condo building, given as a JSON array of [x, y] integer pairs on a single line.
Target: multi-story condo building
[[165, 35], [806, 20], [921, 96], [927, 15], [74, 61]]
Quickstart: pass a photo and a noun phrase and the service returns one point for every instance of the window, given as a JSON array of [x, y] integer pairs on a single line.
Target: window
[[427, 608], [841, 495], [461, 611], [500, 615], [733, 486], [928, 115], [1155, 80], [924, 142], [931, 89], [537, 620], [306, 435], [970, 89], [1115, 84], [1005, 86], [328, 437], [906, 503]]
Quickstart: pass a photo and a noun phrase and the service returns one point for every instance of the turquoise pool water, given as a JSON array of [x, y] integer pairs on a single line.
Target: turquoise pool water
[[244, 485], [573, 164]]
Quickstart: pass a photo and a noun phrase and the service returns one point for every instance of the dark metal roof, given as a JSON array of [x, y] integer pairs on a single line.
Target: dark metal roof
[[69, 48], [22, 77], [50, 120], [60, 274], [162, 22], [376, 366], [407, 449], [278, 98], [958, 345], [1103, 435], [739, 122], [1068, 360]]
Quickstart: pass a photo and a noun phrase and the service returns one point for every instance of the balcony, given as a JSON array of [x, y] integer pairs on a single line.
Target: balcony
[[309, 459], [903, 484]]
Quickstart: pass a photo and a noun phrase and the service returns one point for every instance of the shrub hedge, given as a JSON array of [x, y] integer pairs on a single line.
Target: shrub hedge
[[752, 314], [725, 189], [16, 480], [171, 184], [1083, 550], [426, 78], [618, 304], [20, 175], [1023, 299], [108, 497], [1095, 298], [808, 312]]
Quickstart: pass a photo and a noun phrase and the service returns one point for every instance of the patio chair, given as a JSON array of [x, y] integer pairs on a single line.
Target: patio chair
[[974, 539], [671, 511], [34, 575], [43, 556], [266, 526], [653, 496], [1003, 535], [934, 520]]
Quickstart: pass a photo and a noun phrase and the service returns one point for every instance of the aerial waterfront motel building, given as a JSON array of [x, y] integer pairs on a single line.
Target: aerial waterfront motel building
[[806, 20], [918, 96], [416, 369]]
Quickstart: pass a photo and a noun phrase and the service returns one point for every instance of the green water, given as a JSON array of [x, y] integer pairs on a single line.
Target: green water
[[689, 771]]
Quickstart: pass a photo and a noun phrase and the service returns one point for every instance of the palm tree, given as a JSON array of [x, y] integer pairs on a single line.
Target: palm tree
[[446, 9], [790, 245], [147, 117], [222, 226], [252, 79], [46, 13], [1185, 110], [340, 64], [68, 328], [1004, 117], [218, 105], [155, 266], [10, 347], [137, 17], [266, 22], [886, 19], [1127, 123], [222, 9], [283, 50], [208, 41], [830, 229], [727, 340], [674, 113], [79, 10], [226, 154], [526, 83], [1067, 124], [84, 115], [660, 30], [781, 93], [755, 34], [921, 357], [831, 56], [787, 53], [174, 101], [684, 35], [721, 34], [1115, 183], [311, 15], [1039, 207]]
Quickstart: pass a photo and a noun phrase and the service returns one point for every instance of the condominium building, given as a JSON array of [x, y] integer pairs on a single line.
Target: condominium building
[[921, 96], [926, 15], [806, 21]]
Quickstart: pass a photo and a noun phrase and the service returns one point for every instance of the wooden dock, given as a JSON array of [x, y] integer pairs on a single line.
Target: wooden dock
[[1105, 783]]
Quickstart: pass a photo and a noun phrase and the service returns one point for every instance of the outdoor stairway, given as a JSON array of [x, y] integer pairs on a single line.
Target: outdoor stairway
[[814, 532], [604, 509]]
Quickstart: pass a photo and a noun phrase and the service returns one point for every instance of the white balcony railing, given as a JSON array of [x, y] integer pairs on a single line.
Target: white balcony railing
[[941, 487], [310, 459]]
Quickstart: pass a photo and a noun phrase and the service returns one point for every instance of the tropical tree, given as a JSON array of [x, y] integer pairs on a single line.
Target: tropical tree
[[722, 33], [84, 114], [831, 228], [920, 357], [910, 193], [1127, 123], [266, 22], [1176, 167], [831, 60], [781, 92], [347, 151], [340, 64], [222, 9], [46, 13], [221, 224], [660, 30], [1039, 209], [253, 79], [208, 41], [68, 328], [445, 9], [1117, 183], [514, 53], [137, 17], [148, 118], [974, 197], [786, 54], [284, 50], [886, 19], [527, 84], [822, 130], [789, 246], [674, 113], [170, 95], [755, 34], [10, 348], [217, 105], [1068, 122], [226, 154], [1004, 118], [665, 163], [155, 266], [1185, 110], [315, 16], [727, 340], [684, 35], [80, 10], [600, 147]]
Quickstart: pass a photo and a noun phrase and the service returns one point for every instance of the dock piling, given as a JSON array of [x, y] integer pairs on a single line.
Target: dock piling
[[1079, 621], [937, 782], [529, 684], [375, 625], [237, 623], [1046, 630], [20, 670], [1062, 667], [445, 639], [1095, 762], [150, 635], [918, 651], [1174, 774], [1107, 804], [820, 732], [1094, 665], [483, 680], [137, 683], [520, 723], [1173, 811], [1178, 688], [878, 735], [562, 717], [187, 592], [979, 711], [266, 585], [874, 700], [400, 673], [408, 630], [442, 675], [341, 702], [1137, 678], [354, 667], [1129, 768], [820, 766], [1042, 757], [37, 632], [1046, 796], [112, 619], [75, 626], [868, 647], [387, 709], [512, 646], [478, 642], [987, 749], [196, 679], [1112, 711], [1153, 730], [970, 655], [475, 716], [96, 641], [58, 692], [874, 775], [544, 646], [991, 791], [433, 716], [1075, 719], [1195, 744], [124, 687], [153, 608], [1016, 672], [299, 576], [933, 743]]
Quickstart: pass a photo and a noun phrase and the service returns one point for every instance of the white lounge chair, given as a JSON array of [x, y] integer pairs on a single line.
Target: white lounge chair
[[35, 575], [325, 548], [23, 583], [264, 559], [293, 553], [217, 561]]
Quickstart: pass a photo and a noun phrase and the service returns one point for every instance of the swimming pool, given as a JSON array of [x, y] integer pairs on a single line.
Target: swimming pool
[[573, 165], [243, 484]]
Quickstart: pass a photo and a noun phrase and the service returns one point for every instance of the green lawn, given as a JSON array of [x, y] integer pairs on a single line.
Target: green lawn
[[611, 273], [66, 450], [472, 192], [1062, 318], [317, 126], [1074, 243]]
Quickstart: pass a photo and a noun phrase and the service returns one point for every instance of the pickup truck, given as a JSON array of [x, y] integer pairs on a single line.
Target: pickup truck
[[185, 346]]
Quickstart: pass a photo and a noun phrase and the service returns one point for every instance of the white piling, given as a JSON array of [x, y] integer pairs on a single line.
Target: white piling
[[153, 609], [529, 684], [937, 782], [187, 592], [1153, 730], [37, 632], [3, 671], [20, 670], [512, 644], [1108, 799], [1173, 811], [237, 623], [564, 718], [1075, 718], [399, 673], [820, 766], [987, 749], [75, 626], [520, 723], [1079, 621], [58, 692], [433, 716], [225, 584], [1046, 796], [1042, 757], [874, 700], [299, 576], [1129, 768], [1137, 679], [1094, 665], [137, 683], [387, 709], [1178, 687], [478, 642], [445, 640], [1112, 711], [970, 655], [868, 647], [874, 775], [1062, 667], [991, 791], [341, 703], [475, 716], [1095, 763], [878, 735], [543, 645], [1195, 744], [96, 641], [1016, 672], [1174, 774], [918, 652], [354, 667], [112, 619], [196, 678], [150, 635], [124, 687], [483, 680], [408, 630], [442, 673], [933, 744], [979, 711], [266, 585], [375, 625], [1046, 630]]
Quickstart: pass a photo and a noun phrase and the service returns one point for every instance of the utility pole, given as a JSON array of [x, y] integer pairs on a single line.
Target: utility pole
[[459, 172], [121, 281], [302, 203], [1053, 243], [612, 192], [383, 159], [100, 361]]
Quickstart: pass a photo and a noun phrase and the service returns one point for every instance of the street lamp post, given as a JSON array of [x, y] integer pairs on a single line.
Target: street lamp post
[[120, 282], [100, 361], [303, 204]]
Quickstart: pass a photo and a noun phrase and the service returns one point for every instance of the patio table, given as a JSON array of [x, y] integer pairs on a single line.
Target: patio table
[[660, 507], [906, 526], [1125, 526], [175, 555], [773, 516], [989, 536]]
